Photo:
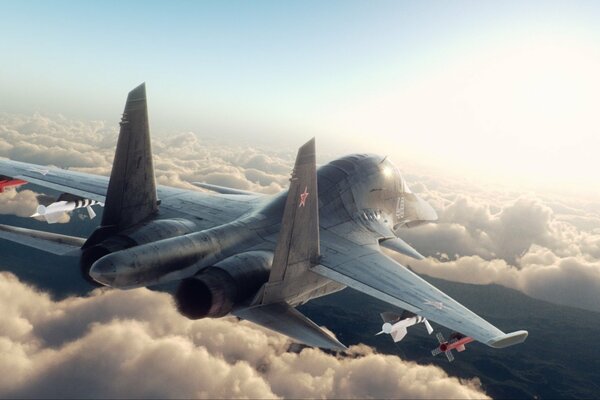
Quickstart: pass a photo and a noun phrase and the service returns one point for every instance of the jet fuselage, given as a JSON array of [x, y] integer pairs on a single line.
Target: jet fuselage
[[364, 193]]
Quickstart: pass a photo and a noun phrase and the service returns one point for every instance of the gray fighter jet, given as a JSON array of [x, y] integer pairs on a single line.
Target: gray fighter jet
[[251, 255]]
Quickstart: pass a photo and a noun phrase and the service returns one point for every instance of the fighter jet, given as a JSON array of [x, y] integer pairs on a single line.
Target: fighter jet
[[254, 256]]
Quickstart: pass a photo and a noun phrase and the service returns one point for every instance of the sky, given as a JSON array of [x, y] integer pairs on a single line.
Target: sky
[[497, 91]]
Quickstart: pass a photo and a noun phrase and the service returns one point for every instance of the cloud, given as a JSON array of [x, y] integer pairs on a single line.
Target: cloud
[[543, 247], [178, 159], [573, 281], [24, 203], [134, 344], [498, 232], [468, 226], [21, 203]]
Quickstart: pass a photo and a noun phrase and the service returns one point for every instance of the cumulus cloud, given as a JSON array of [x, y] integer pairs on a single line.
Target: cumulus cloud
[[500, 233], [134, 344], [21, 203], [24, 203], [468, 226], [542, 247], [179, 158], [573, 281]]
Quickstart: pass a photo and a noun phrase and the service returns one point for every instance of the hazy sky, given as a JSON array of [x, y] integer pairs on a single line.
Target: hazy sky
[[491, 89]]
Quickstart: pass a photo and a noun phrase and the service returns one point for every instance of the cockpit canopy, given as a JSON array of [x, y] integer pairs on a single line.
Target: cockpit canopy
[[372, 191]]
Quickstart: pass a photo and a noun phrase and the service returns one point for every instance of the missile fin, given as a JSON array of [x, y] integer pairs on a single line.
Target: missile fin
[[440, 337], [91, 212], [428, 326], [398, 334], [53, 218]]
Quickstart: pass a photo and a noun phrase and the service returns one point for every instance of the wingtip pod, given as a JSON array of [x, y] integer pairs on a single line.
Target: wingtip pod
[[508, 339]]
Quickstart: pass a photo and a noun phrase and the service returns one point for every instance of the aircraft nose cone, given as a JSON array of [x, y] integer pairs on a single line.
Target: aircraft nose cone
[[104, 271]]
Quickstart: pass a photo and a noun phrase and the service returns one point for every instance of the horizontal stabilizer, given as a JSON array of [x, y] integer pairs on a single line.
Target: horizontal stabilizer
[[223, 189], [282, 318], [46, 241], [400, 246]]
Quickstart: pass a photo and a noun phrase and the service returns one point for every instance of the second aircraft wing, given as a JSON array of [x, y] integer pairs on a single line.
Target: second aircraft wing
[[368, 270]]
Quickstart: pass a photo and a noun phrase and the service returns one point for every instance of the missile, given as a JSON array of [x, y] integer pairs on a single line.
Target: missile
[[457, 342], [52, 212], [7, 182], [395, 325]]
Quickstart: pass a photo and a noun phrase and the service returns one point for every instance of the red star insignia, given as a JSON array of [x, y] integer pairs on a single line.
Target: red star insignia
[[303, 197]]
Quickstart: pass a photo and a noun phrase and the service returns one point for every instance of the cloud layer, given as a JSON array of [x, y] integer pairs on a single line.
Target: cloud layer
[[542, 247], [178, 159], [135, 344], [22, 203], [545, 246]]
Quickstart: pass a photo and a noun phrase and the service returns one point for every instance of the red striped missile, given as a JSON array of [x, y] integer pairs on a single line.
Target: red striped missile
[[457, 342]]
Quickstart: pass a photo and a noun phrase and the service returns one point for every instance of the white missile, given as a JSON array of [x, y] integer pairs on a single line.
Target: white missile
[[395, 325], [54, 211]]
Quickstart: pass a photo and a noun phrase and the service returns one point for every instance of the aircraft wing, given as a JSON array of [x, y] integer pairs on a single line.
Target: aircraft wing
[[77, 183], [209, 209], [368, 270]]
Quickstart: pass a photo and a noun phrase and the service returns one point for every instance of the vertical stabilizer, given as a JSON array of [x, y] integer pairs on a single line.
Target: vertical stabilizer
[[131, 195], [297, 246]]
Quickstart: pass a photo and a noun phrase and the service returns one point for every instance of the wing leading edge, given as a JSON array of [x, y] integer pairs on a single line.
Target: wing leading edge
[[377, 275], [76, 183]]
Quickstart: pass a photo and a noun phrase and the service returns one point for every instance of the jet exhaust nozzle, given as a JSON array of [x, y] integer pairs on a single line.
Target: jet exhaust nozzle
[[216, 291]]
